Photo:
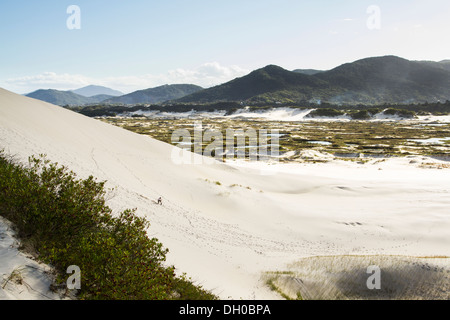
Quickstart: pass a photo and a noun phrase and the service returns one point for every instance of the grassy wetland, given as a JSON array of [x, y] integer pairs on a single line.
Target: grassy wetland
[[353, 140]]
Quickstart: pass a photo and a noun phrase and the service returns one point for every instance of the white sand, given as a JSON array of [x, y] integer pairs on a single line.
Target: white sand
[[224, 237], [21, 278]]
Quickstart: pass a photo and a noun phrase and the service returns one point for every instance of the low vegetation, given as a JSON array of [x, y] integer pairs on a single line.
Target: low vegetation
[[349, 277], [65, 221], [349, 140], [400, 113], [108, 110], [325, 112]]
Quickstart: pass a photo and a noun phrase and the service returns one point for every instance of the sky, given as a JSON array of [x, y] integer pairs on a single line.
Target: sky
[[138, 44]]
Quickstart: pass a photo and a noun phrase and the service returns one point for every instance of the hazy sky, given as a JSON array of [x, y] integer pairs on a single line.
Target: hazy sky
[[137, 44]]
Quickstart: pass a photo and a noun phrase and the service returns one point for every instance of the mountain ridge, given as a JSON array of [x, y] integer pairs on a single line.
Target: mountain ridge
[[156, 95], [269, 79], [375, 80], [95, 90], [61, 98], [309, 72], [146, 96]]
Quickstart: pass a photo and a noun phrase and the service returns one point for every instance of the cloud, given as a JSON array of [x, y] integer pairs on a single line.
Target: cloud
[[205, 75], [48, 80]]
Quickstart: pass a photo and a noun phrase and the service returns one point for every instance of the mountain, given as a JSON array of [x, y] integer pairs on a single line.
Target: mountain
[[268, 82], [92, 90], [60, 98], [387, 79], [444, 64], [377, 80], [309, 72], [100, 98], [150, 96], [156, 95], [63, 98]]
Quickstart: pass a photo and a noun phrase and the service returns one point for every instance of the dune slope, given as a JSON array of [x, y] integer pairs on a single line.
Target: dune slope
[[226, 224]]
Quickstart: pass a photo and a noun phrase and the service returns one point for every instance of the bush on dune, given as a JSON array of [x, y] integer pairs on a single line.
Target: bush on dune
[[400, 113], [325, 112], [65, 221]]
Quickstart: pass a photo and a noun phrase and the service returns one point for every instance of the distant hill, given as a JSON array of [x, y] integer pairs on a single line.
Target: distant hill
[[309, 72], [369, 81], [445, 64], [60, 98], [387, 79], [64, 98], [271, 82], [92, 90], [100, 98], [148, 96], [156, 95]]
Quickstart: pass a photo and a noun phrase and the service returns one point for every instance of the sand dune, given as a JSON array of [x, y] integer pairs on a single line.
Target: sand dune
[[22, 278], [226, 235]]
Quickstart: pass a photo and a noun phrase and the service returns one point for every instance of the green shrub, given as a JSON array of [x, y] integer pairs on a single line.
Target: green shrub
[[65, 221], [374, 111], [360, 115], [325, 112], [400, 112]]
